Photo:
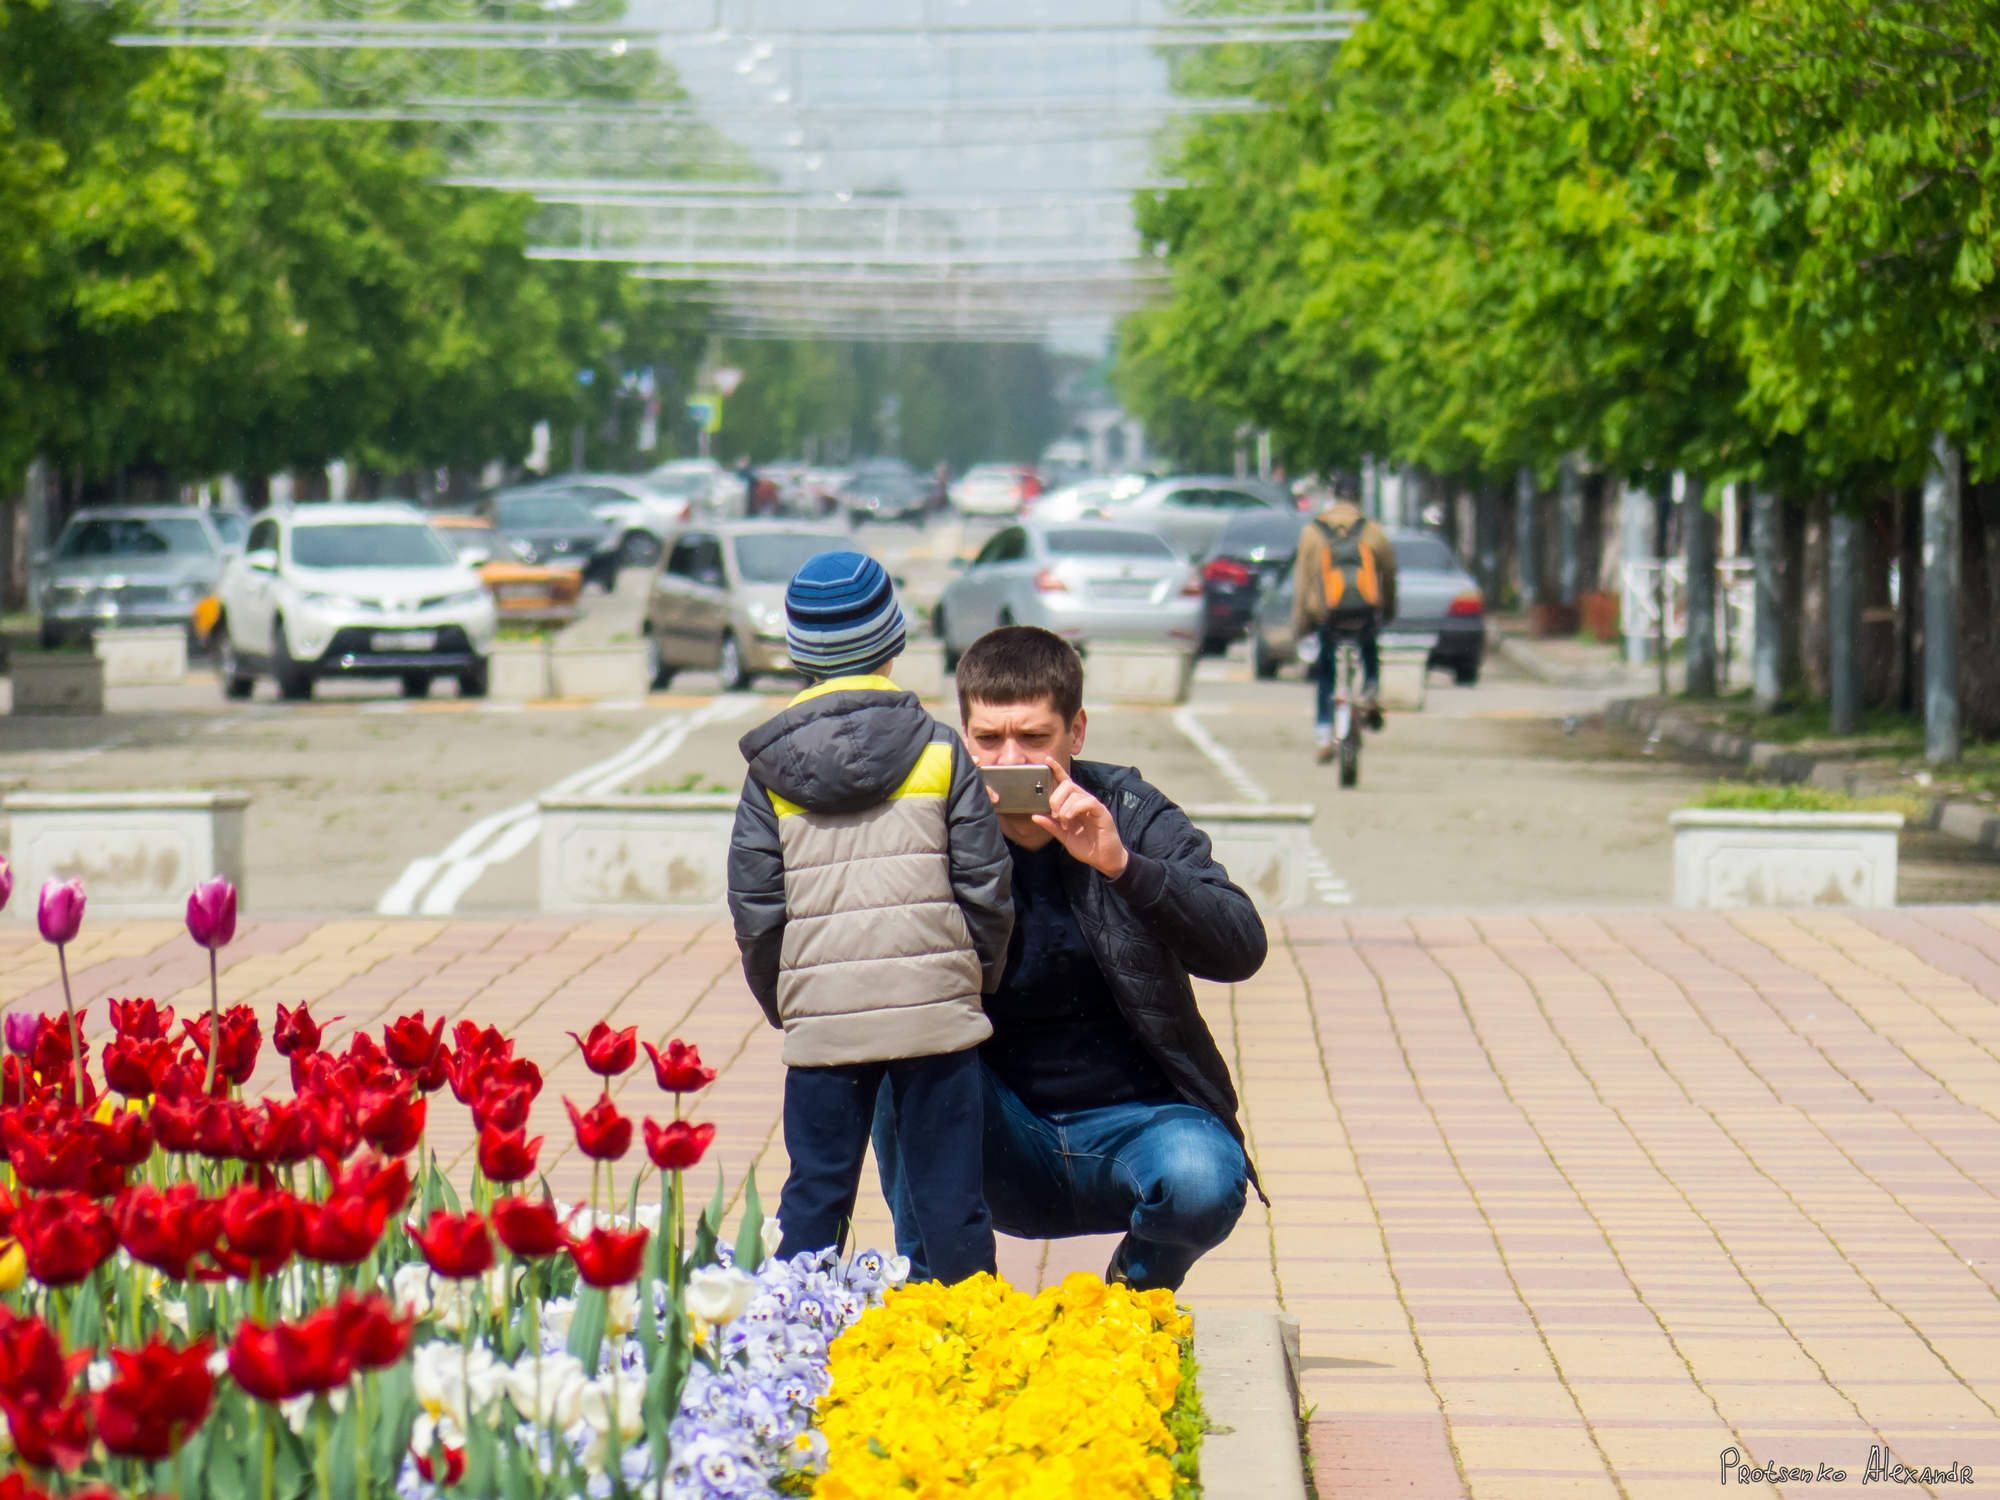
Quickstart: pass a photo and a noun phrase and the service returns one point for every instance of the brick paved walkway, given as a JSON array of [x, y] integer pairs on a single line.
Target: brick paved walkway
[[1565, 1205]]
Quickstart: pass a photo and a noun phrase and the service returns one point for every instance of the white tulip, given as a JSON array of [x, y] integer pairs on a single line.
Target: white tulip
[[621, 1309], [549, 1391], [896, 1271], [455, 1382], [410, 1288], [601, 1400], [718, 1294], [455, 1300], [773, 1235]]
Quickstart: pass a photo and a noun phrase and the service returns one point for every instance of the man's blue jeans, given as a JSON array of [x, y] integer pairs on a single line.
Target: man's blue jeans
[[1170, 1177]]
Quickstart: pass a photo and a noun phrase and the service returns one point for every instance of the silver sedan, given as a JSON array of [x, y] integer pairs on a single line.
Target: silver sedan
[[1088, 581]]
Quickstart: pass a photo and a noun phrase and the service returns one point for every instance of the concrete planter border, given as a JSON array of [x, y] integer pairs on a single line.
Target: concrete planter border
[[598, 669], [517, 671], [136, 657], [1142, 675], [634, 854], [1727, 859], [1248, 1359], [56, 682], [138, 853]]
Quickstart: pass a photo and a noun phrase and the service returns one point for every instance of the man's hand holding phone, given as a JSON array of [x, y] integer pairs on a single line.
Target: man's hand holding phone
[[1047, 798]]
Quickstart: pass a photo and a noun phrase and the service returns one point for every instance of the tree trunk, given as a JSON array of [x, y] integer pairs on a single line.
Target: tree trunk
[[1909, 604], [1815, 654], [1941, 579], [1767, 547], [1844, 620], [1528, 542], [1979, 612], [1698, 528]]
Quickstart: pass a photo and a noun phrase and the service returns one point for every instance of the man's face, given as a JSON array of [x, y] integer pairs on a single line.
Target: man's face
[[1022, 734]]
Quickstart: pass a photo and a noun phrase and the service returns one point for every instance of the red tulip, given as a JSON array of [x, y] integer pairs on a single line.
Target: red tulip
[[528, 1227], [454, 1466], [211, 913], [609, 1257], [502, 1108], [125, 1139], [391, 1120], [275, 1132], [31, 1359], [411, 1044], [260, 1226], [50, 1154], [6, 883], [330, 1127], [677, 1145], [242, 1036], [297, 1033], [606, 1052], [157, 1397], [177, 1124], [679, 1069], [48, 1434], [341, 1231], [22, 1029], [64, 1236], [133, 1065], [220, 1129], [278, 1361], [168, 1228], [507, 1155], [379, 1181], [455, 1245], [602, 1132], [373, 1331], [59, 912], [141, 1020]]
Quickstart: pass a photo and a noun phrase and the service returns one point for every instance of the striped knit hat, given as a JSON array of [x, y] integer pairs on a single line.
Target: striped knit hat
[[841, 616]]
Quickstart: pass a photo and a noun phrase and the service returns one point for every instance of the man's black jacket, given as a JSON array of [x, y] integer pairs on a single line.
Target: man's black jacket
[[1174, 912]]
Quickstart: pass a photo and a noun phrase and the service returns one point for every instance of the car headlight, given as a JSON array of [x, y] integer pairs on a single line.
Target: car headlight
[[769, 620], [522, 548], [331, 601], [464, 599]]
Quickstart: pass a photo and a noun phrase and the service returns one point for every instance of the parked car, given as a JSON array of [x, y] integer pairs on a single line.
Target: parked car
[[1434, 595], [1254, 552], [884, 490], [351, 590], [718, 601], [521, 590], [127, 566], [1085, 498], [1087, 581], [713, 491], [640, 513], [556, 528], [1190, 510], [992, 490]]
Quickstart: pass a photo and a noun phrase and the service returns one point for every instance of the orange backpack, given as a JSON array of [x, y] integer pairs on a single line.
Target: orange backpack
[[1349, 581]]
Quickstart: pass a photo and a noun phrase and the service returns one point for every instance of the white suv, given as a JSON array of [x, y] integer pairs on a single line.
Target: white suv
[[351, 590]]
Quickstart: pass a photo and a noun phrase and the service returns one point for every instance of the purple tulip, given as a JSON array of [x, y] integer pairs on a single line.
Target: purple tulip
[[211, 913], [22, 1027], [6, 883], [60, 911]]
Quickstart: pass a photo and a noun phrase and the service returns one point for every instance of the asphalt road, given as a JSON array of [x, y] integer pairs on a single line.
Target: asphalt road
[[1504, 794]]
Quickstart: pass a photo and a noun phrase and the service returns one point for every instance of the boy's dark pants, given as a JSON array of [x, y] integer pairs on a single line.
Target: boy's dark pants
[[938, 1131]]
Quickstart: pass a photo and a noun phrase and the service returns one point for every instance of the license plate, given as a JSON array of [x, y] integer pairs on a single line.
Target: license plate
[[404, 640], [1124, 590], [517, 591]]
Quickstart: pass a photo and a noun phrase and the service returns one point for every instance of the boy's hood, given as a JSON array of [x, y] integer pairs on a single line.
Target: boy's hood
[[841, 748]]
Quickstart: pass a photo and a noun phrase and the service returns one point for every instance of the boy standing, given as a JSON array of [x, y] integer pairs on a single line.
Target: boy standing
[[871, 891]]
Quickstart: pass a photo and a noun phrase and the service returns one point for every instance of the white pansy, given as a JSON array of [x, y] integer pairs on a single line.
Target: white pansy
[[548, 1391], [896, 1270], [555, 1318], [717, 1294], [173, 1314], [97, 1374], [297, 1412]]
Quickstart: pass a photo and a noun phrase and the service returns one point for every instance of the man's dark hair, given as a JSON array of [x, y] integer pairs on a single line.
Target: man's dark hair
[[1021, 664]]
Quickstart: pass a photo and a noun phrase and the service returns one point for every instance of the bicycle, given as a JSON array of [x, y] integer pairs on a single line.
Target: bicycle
[[1347, 716]]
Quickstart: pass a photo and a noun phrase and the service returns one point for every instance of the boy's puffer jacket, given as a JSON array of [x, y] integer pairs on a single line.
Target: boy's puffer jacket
[[868, 879]]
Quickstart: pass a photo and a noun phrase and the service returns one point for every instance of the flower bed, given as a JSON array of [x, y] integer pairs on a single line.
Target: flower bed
[[982, 1390], [204, 1295]]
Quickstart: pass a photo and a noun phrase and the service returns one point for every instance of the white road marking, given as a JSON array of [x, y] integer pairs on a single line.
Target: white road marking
[[1325, 880], [434, 884]]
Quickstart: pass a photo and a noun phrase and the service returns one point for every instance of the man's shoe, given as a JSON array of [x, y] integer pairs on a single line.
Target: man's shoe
[[1371, 711], [1114, 1274], [1324, 739]]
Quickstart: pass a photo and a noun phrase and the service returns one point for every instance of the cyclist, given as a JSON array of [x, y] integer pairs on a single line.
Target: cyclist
[[1343, 584]]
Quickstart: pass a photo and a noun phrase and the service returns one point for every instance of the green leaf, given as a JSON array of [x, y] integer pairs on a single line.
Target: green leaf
[[586, 1326], [750, 1233], [392, 1417]]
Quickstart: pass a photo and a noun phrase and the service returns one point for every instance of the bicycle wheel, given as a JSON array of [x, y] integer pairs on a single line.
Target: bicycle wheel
[[1350, 759]]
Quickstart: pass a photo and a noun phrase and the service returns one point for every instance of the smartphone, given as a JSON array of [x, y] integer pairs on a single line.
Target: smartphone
[[1021, 789]]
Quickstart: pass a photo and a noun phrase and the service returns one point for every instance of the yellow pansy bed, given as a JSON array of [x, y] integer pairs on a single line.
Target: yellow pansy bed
[[982, 1390]]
